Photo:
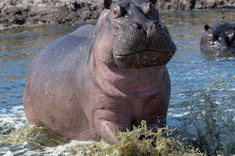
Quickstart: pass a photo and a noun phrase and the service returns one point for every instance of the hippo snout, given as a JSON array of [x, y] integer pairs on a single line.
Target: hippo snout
[[136, 26], [143, 45]]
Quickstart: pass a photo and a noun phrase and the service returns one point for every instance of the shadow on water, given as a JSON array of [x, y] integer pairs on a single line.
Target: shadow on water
[[203, 114]]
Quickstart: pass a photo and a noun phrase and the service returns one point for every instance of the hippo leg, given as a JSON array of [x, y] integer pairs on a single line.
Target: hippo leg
[[108, 123]]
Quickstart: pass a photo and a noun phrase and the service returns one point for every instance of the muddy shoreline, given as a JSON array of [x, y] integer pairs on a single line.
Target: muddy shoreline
[[40, 12]]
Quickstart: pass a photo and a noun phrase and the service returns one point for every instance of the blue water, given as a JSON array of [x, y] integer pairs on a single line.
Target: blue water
[[190, 69], [18, 46]]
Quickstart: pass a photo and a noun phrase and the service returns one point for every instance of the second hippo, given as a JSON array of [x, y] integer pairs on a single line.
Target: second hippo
[[99, 80], [219, 39]]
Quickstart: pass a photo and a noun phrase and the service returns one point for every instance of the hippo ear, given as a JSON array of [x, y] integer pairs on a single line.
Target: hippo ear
[[153, 1], [207, 27], [107, 4]]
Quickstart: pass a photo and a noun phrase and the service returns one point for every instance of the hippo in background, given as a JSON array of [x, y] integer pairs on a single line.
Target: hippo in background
[[99, 80], [219, 39]]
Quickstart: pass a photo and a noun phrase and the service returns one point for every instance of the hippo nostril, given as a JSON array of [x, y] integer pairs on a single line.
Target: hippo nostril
[[135, 25], [157, 26]]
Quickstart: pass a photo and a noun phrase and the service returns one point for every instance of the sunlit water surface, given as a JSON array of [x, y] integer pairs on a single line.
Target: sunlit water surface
[[201, 107]]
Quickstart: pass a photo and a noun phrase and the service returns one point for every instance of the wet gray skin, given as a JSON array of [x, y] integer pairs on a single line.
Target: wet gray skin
[[219, 39]]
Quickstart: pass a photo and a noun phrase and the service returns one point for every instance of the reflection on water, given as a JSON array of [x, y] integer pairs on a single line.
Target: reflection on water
[[205, 118]]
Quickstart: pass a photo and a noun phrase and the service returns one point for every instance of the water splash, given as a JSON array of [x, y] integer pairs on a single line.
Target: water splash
[[151, 144], [210, 125]]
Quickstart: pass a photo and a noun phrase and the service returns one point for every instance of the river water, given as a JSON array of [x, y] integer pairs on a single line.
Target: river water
[[202, 105]]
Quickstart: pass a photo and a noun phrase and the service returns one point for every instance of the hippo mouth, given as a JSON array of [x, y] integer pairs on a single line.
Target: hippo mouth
[[143, 59]]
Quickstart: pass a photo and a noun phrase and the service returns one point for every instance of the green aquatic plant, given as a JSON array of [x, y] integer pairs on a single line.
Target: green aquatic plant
[[153, 143], [218, 82], [32, 137], [130, 144]]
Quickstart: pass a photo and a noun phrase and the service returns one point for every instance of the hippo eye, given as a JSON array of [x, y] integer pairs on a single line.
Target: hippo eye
[[117, 11]]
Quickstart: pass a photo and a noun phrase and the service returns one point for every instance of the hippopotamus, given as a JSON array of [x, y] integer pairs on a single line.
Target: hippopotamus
[[219, 39], [99, 80]]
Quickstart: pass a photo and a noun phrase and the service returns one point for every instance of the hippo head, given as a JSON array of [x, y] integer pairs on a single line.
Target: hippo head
[[219, 39], [129, 34]]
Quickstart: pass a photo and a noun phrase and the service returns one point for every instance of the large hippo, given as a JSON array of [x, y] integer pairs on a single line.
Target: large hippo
[[96, 81], [219, 39]]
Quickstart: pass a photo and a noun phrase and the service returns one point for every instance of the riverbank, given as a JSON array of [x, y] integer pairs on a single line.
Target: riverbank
[[37, 12]]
